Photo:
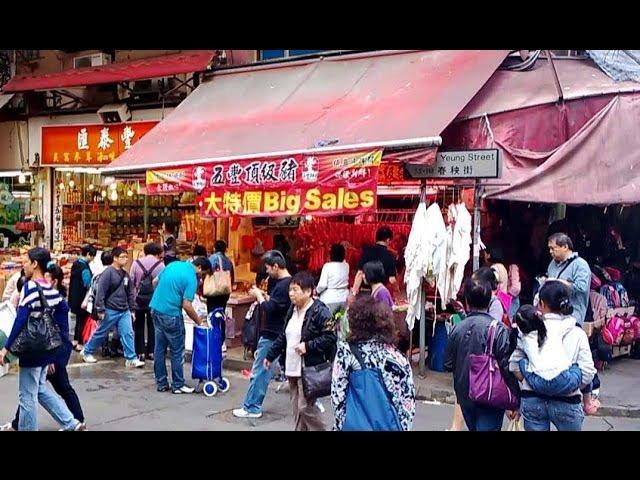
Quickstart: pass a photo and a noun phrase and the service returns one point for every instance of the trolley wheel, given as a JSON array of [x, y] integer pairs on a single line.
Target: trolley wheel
[[199, 386], [210, 389], [224, 384]]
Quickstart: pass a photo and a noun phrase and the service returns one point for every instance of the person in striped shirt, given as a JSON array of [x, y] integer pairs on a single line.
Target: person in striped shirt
[[32, 383]]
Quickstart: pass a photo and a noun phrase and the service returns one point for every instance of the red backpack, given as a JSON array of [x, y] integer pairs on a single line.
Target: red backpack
[[613, 330]]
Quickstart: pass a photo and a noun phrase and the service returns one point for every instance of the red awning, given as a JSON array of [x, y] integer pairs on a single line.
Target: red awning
[[379, 99], [186, 62]]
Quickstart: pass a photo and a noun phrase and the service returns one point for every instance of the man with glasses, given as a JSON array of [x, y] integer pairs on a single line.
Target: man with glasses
[[115, 304]]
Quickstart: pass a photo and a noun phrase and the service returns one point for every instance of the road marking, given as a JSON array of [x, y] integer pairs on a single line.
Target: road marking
[[84, 364]]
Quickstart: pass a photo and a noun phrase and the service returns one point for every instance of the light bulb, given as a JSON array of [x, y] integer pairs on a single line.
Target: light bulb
[[91, 186], [61, 186], [22, 178], [68, 174], [104, 194], [130, 193], [114, 195], [72, 184], [113, 186]]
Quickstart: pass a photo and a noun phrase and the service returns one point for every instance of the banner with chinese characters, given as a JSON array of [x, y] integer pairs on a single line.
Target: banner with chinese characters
[[327, 184], [89, 145]]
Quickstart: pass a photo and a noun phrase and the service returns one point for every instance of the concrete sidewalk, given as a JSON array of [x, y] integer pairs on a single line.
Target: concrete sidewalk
[[619, 394]]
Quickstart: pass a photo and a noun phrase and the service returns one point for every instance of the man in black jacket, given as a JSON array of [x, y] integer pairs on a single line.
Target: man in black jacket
[[470, 337], [275, 306]]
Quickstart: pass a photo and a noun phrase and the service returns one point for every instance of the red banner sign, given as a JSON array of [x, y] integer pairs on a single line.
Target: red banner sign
[[295, 185], [92, 145]]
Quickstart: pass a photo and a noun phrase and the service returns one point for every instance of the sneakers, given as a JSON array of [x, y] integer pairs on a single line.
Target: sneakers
[[135, 363], [164, 388], [7, 427], [183, 389], [242, 413], [87, 357], [80, 427]]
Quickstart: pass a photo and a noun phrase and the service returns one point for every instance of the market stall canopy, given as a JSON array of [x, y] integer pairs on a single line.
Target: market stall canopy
[[185, 62], [507, 90], [599, 165], [377, 99], [547, 142]]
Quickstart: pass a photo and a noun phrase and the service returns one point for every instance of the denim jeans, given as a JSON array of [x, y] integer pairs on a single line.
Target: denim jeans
[[170, 332], [113, 318], [260, 378], [481, 419], [32, 387], [539, 414], [565, 383]]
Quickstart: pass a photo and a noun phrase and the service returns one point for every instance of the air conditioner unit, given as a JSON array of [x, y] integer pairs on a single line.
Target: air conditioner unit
[[93, 60], [115, 113]]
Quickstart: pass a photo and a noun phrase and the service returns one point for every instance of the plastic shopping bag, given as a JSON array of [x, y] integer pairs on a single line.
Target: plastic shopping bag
[[515, 425], [90, 326]]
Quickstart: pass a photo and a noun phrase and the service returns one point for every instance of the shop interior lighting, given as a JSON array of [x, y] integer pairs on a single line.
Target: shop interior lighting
[[113, 186], [14, 173], [22, 178], [104, 194], [72, 183]]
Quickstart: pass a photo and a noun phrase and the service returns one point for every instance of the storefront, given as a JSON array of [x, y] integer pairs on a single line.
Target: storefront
[[273, 148]]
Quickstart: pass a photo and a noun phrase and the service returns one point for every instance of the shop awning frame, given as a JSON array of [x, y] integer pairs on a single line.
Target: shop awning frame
[[143, 69]]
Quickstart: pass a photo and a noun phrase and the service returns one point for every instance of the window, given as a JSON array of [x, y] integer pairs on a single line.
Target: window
[[273, 54]]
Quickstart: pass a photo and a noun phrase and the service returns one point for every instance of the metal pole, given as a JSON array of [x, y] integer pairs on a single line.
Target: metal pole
[[476, 225], [146, 216], [423, 332]]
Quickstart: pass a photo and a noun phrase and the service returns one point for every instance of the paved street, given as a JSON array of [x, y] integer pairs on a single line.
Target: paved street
[[117, 399]]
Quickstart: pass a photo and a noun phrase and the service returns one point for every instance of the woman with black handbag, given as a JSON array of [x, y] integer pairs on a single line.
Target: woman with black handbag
[[40, 337], [309, 345]]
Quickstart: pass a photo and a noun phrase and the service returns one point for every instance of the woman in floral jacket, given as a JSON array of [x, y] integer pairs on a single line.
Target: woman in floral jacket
[[372, 327]]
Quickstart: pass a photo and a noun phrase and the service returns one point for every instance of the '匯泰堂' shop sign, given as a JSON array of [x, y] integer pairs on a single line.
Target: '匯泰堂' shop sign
[[89, 145], [327, 184]]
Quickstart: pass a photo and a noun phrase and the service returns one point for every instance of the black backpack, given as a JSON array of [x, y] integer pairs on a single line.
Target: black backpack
[[145, 291], [251, 329]]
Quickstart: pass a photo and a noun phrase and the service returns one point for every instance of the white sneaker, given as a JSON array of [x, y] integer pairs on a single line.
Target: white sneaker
[[183, 389], [135, 363], [87, 357], [242, 413], [7, 427]]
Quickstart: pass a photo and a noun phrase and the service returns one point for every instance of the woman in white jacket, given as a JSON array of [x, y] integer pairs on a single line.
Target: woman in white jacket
[[539, 411]]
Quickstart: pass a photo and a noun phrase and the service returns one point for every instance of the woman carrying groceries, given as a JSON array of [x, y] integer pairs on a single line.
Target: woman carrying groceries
[[373, 334], [540, 410], [57, 372], [308, 340], [34, 365]]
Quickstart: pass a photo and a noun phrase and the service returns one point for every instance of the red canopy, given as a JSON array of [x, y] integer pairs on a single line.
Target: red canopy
[[186, 62], [380, 99], [580, 151]]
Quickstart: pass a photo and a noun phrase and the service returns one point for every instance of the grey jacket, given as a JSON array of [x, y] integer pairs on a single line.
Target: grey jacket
[[578, 274], [115, 291]]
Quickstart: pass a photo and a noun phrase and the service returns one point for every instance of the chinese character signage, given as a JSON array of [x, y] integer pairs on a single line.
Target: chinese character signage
[[89, 145], [462, 164], [293, 185]]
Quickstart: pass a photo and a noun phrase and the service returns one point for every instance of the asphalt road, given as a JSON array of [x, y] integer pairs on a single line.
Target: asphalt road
[[117, 399]]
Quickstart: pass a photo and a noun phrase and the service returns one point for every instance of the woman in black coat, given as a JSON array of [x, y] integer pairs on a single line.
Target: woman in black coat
[[308, 339]]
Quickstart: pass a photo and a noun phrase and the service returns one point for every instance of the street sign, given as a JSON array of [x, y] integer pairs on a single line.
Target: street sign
[[459, 164]]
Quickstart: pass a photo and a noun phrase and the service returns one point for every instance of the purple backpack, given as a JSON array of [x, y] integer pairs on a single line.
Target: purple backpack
[[487, 387]]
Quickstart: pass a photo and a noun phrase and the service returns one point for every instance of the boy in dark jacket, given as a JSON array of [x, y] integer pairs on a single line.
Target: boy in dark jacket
[[115, 304], [470, 337]]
